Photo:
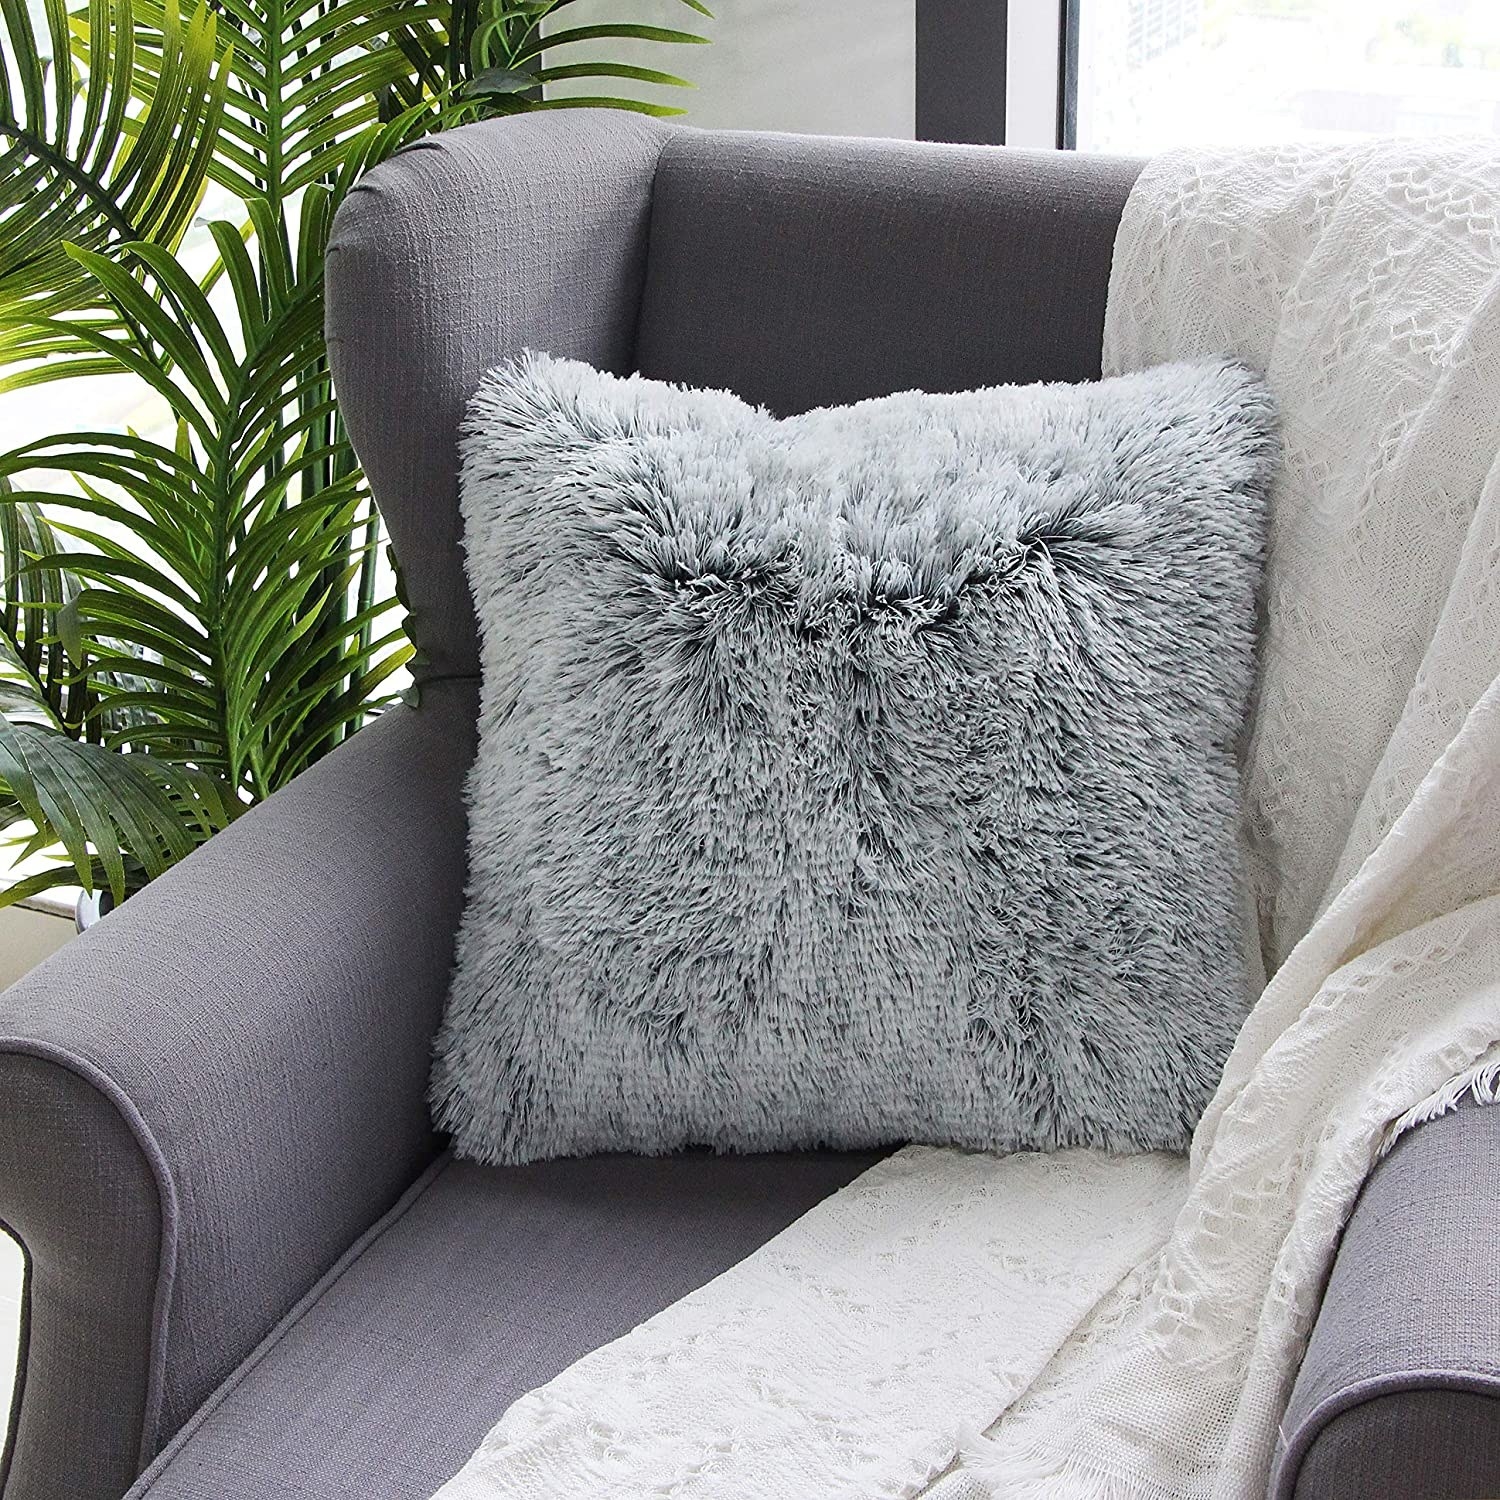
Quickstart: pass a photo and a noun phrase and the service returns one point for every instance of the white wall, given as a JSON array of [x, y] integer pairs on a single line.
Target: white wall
[[826, 67], [26, 938]]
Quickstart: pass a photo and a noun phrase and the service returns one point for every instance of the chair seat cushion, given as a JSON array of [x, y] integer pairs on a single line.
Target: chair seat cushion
[[481, 1284]]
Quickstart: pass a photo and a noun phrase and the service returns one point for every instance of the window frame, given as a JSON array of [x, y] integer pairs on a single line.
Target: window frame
[[998, 72]]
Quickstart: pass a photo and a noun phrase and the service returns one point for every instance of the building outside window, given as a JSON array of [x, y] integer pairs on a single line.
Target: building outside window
[[1159, 73]]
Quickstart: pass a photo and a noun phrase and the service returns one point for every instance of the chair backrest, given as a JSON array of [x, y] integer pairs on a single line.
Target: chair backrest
[[796, 271], [803, 271]]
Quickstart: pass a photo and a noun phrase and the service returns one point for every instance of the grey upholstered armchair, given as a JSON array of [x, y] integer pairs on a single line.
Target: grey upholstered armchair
[[251, 1267]]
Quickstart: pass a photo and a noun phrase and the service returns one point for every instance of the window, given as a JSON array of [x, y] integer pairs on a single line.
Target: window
[[1135, 77], [1160, 73]]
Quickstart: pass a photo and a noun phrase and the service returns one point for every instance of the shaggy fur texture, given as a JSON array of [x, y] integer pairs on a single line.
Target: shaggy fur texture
[[863, 777]]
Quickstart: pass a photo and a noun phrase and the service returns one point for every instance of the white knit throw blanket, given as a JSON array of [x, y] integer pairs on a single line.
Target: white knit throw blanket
[[1082, 1327]]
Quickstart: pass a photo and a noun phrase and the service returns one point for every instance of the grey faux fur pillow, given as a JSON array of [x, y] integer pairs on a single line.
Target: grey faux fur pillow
[[857, 778]]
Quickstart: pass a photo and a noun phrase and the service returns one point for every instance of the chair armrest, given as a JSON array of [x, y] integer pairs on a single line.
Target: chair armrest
[[207, 1096], [1399, 1393]]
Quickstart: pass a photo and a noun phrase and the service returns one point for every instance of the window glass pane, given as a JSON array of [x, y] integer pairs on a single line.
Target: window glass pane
[[1159, 73]]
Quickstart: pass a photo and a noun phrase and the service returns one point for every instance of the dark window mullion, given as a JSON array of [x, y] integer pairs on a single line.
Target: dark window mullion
[[1067, 76], [961, 46]]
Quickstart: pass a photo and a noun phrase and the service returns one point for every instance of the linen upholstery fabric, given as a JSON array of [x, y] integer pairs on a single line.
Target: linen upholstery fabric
[[462, 249], [82, 1296], [69, 1158], [1399, 1391], [482, 1284], [207, 1096], [801, 272], [861, 777], [1423, 1442]]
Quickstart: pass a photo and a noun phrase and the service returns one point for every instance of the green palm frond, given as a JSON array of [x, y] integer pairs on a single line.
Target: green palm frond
[[552, 53], [122, 819], [80, 166], [306, 80], [50, 672], [232, 635], [499, 56], [35, 678], [187, 622]]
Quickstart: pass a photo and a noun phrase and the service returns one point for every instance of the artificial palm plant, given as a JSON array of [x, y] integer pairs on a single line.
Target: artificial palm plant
[[188, 619]]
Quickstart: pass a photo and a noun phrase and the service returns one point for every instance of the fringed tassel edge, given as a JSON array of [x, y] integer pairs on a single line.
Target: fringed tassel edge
[[1481, 1084], [1026, 1473]]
